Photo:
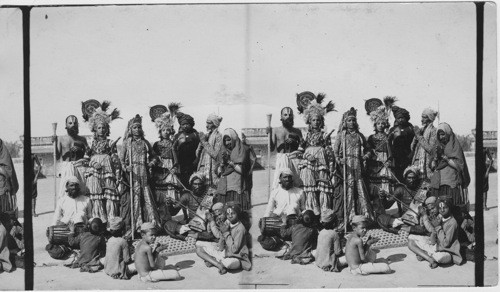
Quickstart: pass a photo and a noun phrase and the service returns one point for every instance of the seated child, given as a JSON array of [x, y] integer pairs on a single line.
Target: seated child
[[360, 258], [117, 252], [304, 235], [235, 254], [443, 247], [92, 246], [329, 249], [145, 257]]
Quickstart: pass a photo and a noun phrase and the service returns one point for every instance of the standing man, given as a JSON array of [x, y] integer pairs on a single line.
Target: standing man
[[401, 137], [208, 150], [70, 152], [185, 144], [286, 140], [37, 168], [423, 144]]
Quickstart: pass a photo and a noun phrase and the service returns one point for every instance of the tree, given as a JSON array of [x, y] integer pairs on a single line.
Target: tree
[[13, 148], [465, 142]]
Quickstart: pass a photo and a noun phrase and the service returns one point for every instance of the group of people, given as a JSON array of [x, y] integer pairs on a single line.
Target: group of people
[[144, 187], [323, 189]]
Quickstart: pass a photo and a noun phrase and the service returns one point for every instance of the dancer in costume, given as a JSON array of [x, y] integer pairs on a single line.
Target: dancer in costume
[[380, 160], [354, 143], [208, 149], [100, 176], [286, 140], [166, 185], [137, 157], [314, 167]]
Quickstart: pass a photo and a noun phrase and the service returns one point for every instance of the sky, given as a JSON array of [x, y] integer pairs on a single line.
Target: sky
[[245, 61]]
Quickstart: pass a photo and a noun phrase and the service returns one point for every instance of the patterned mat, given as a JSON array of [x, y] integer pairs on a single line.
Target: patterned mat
[[175, 246], [387, 240]]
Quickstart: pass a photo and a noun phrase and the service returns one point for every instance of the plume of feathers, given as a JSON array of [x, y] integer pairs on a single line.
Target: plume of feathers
[[320, 97], [115, 114], [330, 107], [173, 108], [105, 105], [389, 101]]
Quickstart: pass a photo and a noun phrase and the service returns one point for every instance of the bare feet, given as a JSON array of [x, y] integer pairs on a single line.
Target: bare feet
[[208, 264], [433, 264], [327, 268], [222, 269], [419, 258]]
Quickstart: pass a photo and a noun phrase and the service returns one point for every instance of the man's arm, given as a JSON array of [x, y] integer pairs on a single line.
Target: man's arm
[[446, 234], [58, 213], [361, 249], [271, 204], [235, 242], [428, 145], [213, 151], [149, 254]]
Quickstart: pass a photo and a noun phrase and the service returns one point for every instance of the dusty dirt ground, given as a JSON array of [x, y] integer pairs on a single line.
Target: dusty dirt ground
[[268, 272]]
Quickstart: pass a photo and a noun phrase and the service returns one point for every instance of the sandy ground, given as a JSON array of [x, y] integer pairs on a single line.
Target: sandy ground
[[268, 271]]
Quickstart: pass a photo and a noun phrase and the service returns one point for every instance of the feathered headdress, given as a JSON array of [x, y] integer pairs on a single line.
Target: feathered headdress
[[162, 116], [378, 115], [311, 105], [352, 112], [98, 115]]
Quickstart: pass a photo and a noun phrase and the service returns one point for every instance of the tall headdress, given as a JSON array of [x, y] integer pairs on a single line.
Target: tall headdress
[[378, 110], [162, 116], [310, 105], [135, 120], [96, 113], [352, 112]]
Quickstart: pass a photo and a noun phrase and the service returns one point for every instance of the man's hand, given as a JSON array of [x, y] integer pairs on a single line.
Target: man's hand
[[71, 227], [417, 131], [340, 160], [128, 168], [97, 166], [224, 228], [210, 217], [372, 240], [269, 130], [54, 139]]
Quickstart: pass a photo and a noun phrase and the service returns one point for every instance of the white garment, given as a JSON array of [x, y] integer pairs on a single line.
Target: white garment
[[283, 160], [76, 210], [285, 202], [66, 170]]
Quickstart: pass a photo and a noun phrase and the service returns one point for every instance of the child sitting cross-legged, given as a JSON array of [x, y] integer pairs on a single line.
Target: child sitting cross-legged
[[359, 256], [145, 258], [329, 249], [92, 245], [443, 246], [234, 234], [304, 235], [118, 263]]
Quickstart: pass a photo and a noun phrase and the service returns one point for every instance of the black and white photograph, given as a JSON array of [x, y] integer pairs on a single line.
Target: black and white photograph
[[249, 145]]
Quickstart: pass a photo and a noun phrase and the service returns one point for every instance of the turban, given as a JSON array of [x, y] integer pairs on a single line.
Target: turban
[[72, 179], [430, 200], [400, 112], [215, 119], [358, 219], [411, 168], [115, 223], [183, 118], [147, 226], [327, 215], [217, 206], [430, 113], [197, 175], [285, 170]]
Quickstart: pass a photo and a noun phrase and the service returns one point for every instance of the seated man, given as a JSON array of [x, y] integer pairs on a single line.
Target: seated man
[[286, 199], [442, 247], [74, 208]]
